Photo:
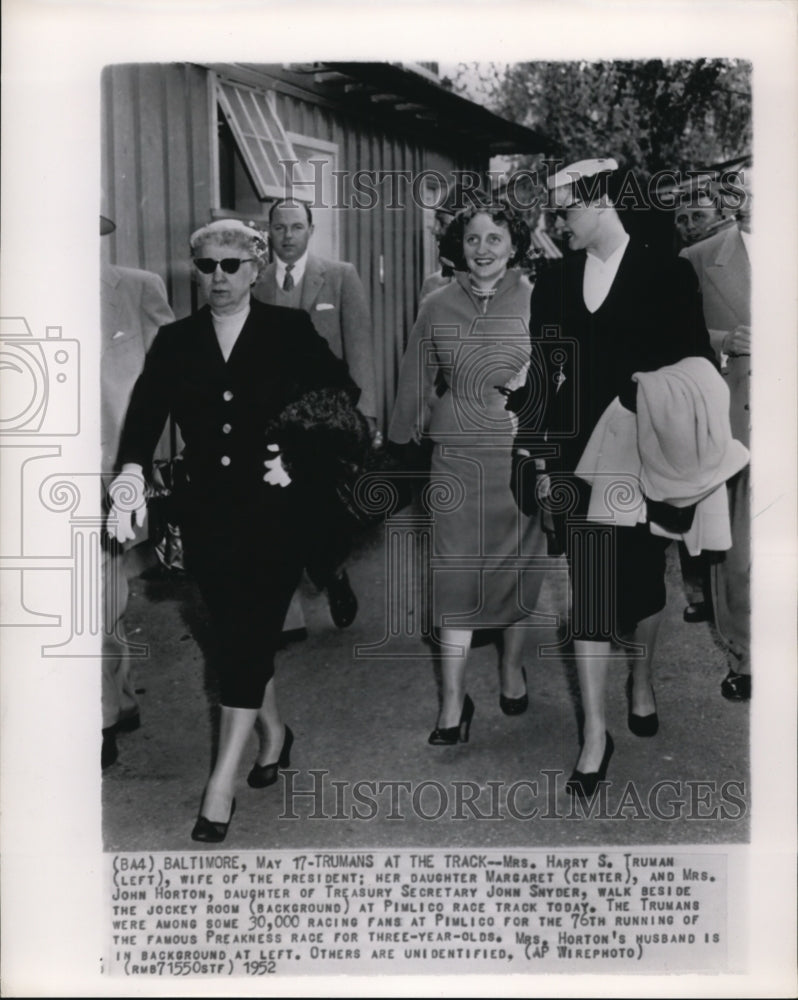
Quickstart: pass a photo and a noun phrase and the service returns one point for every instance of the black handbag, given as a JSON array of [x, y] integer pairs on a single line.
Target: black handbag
[[164, 498], [676, 520]]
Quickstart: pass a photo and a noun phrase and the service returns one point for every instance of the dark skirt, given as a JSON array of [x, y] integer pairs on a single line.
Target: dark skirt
[[247, 558], [617, 573]]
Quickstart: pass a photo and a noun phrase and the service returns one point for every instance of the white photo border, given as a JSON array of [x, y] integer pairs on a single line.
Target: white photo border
[[52, 887]]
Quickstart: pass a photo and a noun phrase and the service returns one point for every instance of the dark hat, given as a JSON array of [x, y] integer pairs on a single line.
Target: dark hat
[[106, 225]]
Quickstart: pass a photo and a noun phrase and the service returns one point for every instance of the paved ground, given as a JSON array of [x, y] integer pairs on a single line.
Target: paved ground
[[366, 720]]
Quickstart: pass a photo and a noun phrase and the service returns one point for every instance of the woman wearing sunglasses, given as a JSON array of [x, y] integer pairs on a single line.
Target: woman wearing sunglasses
[[239, 378]]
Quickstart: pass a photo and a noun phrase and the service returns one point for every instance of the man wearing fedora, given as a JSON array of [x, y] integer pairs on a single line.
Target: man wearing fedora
[[332, 293], [133, 306]]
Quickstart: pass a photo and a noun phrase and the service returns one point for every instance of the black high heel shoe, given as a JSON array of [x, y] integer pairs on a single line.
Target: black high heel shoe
[[584, 783], [515, 706], [640, 725], [210, 831], [263, 775], [736, 687], [458, 733]]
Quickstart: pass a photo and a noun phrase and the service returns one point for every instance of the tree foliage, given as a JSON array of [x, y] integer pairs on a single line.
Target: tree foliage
[[651, 115]]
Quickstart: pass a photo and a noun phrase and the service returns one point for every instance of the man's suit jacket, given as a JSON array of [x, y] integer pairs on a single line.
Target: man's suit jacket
[[133, 305], [724, 273], [333, 295]]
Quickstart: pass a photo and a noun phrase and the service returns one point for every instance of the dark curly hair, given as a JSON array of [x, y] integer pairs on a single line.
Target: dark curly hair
[[501, 214]]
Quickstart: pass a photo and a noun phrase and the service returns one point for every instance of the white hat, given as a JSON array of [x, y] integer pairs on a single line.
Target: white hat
[[248, 230], [578, 171]]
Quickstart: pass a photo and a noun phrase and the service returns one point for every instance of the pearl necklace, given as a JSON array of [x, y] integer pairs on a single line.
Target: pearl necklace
[[484, 295]]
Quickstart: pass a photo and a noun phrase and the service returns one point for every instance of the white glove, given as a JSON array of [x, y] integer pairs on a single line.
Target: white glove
[[128, 504], [275, 470]]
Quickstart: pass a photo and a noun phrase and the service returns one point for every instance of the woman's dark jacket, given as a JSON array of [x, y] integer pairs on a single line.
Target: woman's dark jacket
[[280, 378]]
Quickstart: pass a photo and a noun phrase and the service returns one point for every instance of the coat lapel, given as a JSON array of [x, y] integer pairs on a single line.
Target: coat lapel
[[624, 276], [575, 273], [266, 288], [730, 273], [207, 346], [109, 304], [243, 349], [312, 281]]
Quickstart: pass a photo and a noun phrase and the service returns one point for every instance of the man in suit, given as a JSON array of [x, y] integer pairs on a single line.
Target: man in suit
[[332, 293], [724, 272], [698, 215], [133, 305]]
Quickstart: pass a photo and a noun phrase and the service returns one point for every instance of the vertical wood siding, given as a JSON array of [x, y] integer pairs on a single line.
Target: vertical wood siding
[[156, 168], [158, 182]]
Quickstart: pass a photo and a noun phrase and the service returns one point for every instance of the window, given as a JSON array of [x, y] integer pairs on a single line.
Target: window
[[259, 136], [259, 161]]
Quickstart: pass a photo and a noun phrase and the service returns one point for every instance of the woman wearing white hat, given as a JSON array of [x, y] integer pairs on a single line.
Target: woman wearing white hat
[[620, 310], [232, 375]]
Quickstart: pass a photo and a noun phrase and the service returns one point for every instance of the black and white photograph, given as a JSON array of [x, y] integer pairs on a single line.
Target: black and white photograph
[[396, 506], [422, 615]]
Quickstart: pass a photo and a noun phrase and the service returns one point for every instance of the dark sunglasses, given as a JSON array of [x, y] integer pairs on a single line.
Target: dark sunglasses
[[562, 212], [229, 265]]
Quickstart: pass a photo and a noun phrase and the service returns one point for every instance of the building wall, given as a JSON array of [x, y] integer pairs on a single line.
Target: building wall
[[156, 168], [160, 183]]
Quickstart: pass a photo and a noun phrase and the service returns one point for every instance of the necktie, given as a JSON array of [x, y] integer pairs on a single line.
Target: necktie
[[288, 280]]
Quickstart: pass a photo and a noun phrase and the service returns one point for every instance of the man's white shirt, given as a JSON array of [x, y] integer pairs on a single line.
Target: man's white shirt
[[297, 271]]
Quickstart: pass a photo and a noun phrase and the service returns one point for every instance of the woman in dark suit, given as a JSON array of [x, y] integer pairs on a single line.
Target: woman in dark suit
[[228, 375]]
